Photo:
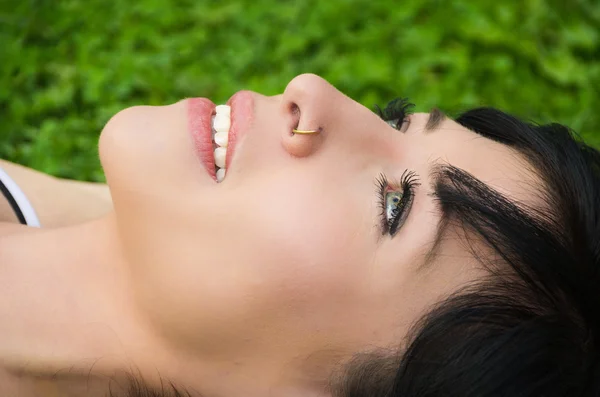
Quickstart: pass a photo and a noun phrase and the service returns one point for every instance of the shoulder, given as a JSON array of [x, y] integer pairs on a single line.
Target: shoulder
[[15, 207], [57, 202]]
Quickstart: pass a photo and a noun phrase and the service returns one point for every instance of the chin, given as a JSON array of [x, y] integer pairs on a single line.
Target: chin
[[148, 148]]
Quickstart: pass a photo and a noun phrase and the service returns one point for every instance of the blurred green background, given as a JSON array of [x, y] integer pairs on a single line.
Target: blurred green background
[[68, 65]]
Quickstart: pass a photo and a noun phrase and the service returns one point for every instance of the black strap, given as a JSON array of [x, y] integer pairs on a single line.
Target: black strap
[[13, 203]]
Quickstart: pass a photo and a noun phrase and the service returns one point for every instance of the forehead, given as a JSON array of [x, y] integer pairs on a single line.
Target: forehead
[[497, 165]]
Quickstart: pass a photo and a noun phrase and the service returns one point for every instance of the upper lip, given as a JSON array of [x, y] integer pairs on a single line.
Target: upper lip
[[241, 113]]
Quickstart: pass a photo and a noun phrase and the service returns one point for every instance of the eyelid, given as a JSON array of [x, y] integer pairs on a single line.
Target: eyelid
[[406, 124]]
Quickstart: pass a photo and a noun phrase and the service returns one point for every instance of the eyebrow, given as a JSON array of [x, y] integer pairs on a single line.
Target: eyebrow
[[435, 176], [436, 117], [457, 193], [447, 177]]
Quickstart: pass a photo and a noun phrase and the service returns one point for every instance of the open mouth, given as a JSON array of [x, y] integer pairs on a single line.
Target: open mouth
[[220, 125]]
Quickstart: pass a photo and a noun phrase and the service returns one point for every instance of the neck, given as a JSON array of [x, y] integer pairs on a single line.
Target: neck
[[67, 315], [65, 306]]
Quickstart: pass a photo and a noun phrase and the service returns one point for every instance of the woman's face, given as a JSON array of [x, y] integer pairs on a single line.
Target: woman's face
[[285, 261]]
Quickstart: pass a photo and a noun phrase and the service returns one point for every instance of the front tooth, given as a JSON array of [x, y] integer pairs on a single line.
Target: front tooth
[[223, 109], [220, 153], [222, 138], [222, 122], [220, 174]]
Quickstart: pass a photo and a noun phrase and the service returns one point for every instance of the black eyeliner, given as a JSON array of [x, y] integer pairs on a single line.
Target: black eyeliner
[[408, 182]]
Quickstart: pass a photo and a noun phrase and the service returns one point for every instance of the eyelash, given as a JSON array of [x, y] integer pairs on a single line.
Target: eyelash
[[396, 112], [408, 182]]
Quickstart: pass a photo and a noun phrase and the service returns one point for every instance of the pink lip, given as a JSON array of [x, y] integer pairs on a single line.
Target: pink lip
[[242, 106], [200, 111]]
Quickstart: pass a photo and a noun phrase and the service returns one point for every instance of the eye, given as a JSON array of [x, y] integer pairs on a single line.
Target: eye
[[395, 200], [400, 124], [396, 113]]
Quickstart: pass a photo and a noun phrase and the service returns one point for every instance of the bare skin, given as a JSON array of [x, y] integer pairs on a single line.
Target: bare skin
[[262, 284], [57, 202]]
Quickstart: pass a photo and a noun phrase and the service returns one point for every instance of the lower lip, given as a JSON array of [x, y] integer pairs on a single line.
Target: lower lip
[[200, 111]]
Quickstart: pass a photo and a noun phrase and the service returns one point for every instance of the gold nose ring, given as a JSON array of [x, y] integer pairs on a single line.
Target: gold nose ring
[[295, 131]]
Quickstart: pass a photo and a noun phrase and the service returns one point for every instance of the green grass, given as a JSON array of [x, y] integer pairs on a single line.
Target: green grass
[[69, 65]]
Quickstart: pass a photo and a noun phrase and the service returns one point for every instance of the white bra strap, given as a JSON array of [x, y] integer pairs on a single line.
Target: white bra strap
[[20, 198]]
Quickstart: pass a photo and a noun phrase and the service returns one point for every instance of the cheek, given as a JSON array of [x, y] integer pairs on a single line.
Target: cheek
[[279, 255], [309, 246], [292, 263], [308, 261]]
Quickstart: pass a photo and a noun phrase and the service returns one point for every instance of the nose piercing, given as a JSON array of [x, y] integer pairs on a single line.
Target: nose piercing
[[295, 131]]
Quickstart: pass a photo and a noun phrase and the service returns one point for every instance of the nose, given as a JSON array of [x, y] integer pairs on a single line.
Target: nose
[[306, 104]]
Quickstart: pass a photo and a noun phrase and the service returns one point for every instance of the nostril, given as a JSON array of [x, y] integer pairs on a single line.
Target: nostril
[[295, 111], [303, 136]]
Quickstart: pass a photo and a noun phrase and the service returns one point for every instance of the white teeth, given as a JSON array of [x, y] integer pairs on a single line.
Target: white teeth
[[223, 109], [220, 153], [221, 138], [221, 123], [220, 174]]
